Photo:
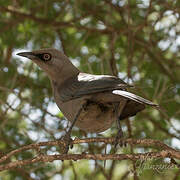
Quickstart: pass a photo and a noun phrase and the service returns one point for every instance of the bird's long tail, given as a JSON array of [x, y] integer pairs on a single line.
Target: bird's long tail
[[134, 105], [134, 97]]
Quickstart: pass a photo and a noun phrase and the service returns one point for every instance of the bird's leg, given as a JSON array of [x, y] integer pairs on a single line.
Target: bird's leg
[[67, 138], [119, 134], [119, 110]]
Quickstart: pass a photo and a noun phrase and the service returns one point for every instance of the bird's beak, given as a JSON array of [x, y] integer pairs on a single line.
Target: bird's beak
[[29, 55]]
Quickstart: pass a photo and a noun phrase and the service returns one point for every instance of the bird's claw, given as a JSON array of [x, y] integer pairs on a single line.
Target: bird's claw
[[119, 141], [67, 143]]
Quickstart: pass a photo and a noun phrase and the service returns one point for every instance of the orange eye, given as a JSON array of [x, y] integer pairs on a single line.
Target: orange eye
[[46, 57]]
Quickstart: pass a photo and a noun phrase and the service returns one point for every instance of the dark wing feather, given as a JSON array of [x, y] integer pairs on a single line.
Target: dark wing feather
[[85, 84]]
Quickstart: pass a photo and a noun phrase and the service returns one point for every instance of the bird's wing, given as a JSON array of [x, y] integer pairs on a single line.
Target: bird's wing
[[85, 84]]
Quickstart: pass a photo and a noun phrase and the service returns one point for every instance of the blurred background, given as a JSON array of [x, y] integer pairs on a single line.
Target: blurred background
[[136, 40]]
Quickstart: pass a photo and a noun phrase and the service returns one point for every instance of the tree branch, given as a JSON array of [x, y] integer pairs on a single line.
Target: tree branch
[[165, 152], [75, 157]]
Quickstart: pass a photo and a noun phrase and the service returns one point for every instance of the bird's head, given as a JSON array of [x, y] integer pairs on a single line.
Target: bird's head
[[52, 61]]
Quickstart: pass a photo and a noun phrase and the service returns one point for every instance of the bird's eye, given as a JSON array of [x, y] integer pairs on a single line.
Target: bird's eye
[[46, 57]]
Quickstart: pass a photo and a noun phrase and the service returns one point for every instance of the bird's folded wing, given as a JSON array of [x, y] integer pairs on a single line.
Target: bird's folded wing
[[85, 84]]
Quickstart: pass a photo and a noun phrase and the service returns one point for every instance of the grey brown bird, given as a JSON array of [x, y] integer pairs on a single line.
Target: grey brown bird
[[91, 102]]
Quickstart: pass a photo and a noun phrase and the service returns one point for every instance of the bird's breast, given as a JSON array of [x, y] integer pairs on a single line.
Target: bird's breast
[[94, 116]]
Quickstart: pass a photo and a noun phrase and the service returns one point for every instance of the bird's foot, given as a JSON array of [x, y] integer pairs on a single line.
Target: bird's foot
[[67, 143], [119, 140]]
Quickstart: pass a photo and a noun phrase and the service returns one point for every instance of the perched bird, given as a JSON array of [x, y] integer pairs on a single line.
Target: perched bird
[[91, 102]]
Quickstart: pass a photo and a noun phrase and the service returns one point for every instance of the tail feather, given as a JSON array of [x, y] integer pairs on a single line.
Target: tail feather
[[133, 97], [131, 109]]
